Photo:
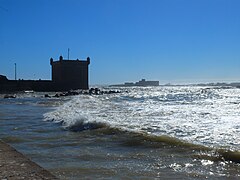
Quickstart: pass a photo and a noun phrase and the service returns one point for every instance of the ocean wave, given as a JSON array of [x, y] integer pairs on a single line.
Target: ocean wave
[[81, 125], [130, 139], [145, 120], [135, 139], [77, 124]]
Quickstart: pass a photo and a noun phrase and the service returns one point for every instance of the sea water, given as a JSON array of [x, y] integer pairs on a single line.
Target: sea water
[[166, 132]]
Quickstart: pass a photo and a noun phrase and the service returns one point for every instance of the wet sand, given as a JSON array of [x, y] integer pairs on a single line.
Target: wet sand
[[14, 165]]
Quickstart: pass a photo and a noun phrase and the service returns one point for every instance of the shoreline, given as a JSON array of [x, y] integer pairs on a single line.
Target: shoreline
[[15, 165]]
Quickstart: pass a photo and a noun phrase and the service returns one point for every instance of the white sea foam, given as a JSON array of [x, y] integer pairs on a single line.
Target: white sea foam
[[208, 116]]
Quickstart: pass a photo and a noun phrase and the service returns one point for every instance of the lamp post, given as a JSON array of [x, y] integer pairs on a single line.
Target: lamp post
[[15, 65], [68, 53]]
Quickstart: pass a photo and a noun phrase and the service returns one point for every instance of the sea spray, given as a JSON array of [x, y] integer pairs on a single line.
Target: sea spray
[[205, 116]]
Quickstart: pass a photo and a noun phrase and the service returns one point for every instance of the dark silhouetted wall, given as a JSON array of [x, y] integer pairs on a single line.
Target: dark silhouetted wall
[[70, 74]]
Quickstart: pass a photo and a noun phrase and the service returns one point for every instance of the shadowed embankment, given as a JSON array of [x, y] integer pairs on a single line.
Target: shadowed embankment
[[14, 165]]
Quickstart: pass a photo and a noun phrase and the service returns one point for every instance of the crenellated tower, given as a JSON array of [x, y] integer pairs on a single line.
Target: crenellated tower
[[70, 74]]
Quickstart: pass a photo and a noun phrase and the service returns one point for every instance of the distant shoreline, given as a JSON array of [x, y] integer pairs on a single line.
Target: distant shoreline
[[193, 84]]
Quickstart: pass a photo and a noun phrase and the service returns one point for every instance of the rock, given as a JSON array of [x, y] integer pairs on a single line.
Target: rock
[[56, 95], [9, 96], [47, 96]]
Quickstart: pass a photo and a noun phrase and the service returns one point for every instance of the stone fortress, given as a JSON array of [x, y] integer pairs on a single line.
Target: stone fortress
[[66, 75], [72, 74]]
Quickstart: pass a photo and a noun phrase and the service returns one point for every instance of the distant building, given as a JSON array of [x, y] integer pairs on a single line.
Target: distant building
[[72, 74], [142, 82]]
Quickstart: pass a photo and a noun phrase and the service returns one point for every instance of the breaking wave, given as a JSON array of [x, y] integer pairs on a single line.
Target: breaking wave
[[192, 119]]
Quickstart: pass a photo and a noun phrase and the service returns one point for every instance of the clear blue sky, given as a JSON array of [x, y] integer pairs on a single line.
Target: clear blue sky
[[171, 41]]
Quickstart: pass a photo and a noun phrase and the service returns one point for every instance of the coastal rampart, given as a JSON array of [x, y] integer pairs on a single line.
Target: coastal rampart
[[66, 75]]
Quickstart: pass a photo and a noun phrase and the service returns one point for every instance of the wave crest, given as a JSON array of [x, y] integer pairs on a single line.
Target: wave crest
[[81, 125]]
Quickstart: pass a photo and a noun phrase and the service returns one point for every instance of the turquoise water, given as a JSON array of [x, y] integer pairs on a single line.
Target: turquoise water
[[163, 132]]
